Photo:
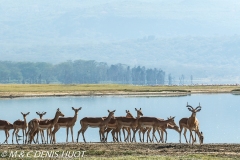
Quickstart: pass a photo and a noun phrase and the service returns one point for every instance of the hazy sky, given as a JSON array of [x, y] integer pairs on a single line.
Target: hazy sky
[[110, 31], [114, 20]]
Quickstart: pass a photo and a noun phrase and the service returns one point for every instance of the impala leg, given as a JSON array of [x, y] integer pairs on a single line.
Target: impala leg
[[100, 135], [16, 135], [195, 136], [27, 135], [139, 132], [107, 131], [83, 134], [191, 135], [42, 135], [159, 136], [129, 134], [71, 134], [50, 135], [180, 132], [148, 136], [67, 134], [37, 140], [78, 134], [14, 130], [166, 136], [120, 137], [153, 135], [184, 133], [134, 133], [158, 130], [6, 135], [47, 131], [23, 131], [118, 134], [113, 135], [123, 130], [143, 135]]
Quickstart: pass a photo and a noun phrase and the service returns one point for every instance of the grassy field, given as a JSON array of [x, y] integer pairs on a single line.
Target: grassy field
[[18, 90]]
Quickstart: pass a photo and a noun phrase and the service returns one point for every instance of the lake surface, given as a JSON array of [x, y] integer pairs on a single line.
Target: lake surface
[[219, 118]]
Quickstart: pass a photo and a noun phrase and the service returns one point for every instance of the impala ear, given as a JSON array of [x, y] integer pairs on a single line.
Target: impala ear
[[28, 113], [37, 113], [136, 109], [72, 108], [114, 111], [44, 113], [21, 113], [126, 111], [140, 108], [108, 110], [189, 109], [79, 108]]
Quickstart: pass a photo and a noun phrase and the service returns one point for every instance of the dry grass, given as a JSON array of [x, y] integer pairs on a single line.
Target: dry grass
[[37, 90], [112, 87]]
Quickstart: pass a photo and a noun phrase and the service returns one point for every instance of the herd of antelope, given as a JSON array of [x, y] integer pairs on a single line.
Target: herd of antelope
[[128, 123]]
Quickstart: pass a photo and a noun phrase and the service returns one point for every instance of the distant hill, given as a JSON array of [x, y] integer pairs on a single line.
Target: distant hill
[[199, 38]]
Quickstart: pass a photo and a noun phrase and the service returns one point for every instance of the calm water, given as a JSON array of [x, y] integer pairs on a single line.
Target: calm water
[[219, 118]]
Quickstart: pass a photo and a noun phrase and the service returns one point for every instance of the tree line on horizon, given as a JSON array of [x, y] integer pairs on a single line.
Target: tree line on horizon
[[78, 72]]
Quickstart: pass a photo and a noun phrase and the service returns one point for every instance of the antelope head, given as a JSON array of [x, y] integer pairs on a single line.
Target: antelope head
[[172, 121], [139, 112], [59, 113], [129, 114], [111, 113], [25, 115], [41, 114], [76, 109], [194, 111]]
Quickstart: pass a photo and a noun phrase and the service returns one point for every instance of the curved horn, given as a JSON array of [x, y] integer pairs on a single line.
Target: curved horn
[[198, 107], [189, 106]]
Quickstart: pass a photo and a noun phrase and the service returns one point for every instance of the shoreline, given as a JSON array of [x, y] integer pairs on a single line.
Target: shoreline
[[56, 90], [87, 93]]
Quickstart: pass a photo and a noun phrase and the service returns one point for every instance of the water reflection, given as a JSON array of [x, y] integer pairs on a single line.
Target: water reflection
[[218, 118]]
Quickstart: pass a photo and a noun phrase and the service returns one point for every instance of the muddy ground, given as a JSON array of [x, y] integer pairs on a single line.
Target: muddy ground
[[132, 149]]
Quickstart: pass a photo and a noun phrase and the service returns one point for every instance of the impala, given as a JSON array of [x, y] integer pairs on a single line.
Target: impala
[[66, 122], [152, 122], [112, 126], [45, 124], [95, 122], [128, 122], [19, 124], [6, 126], [163, 130], [192, 123], [30, 127], [184, 125]]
